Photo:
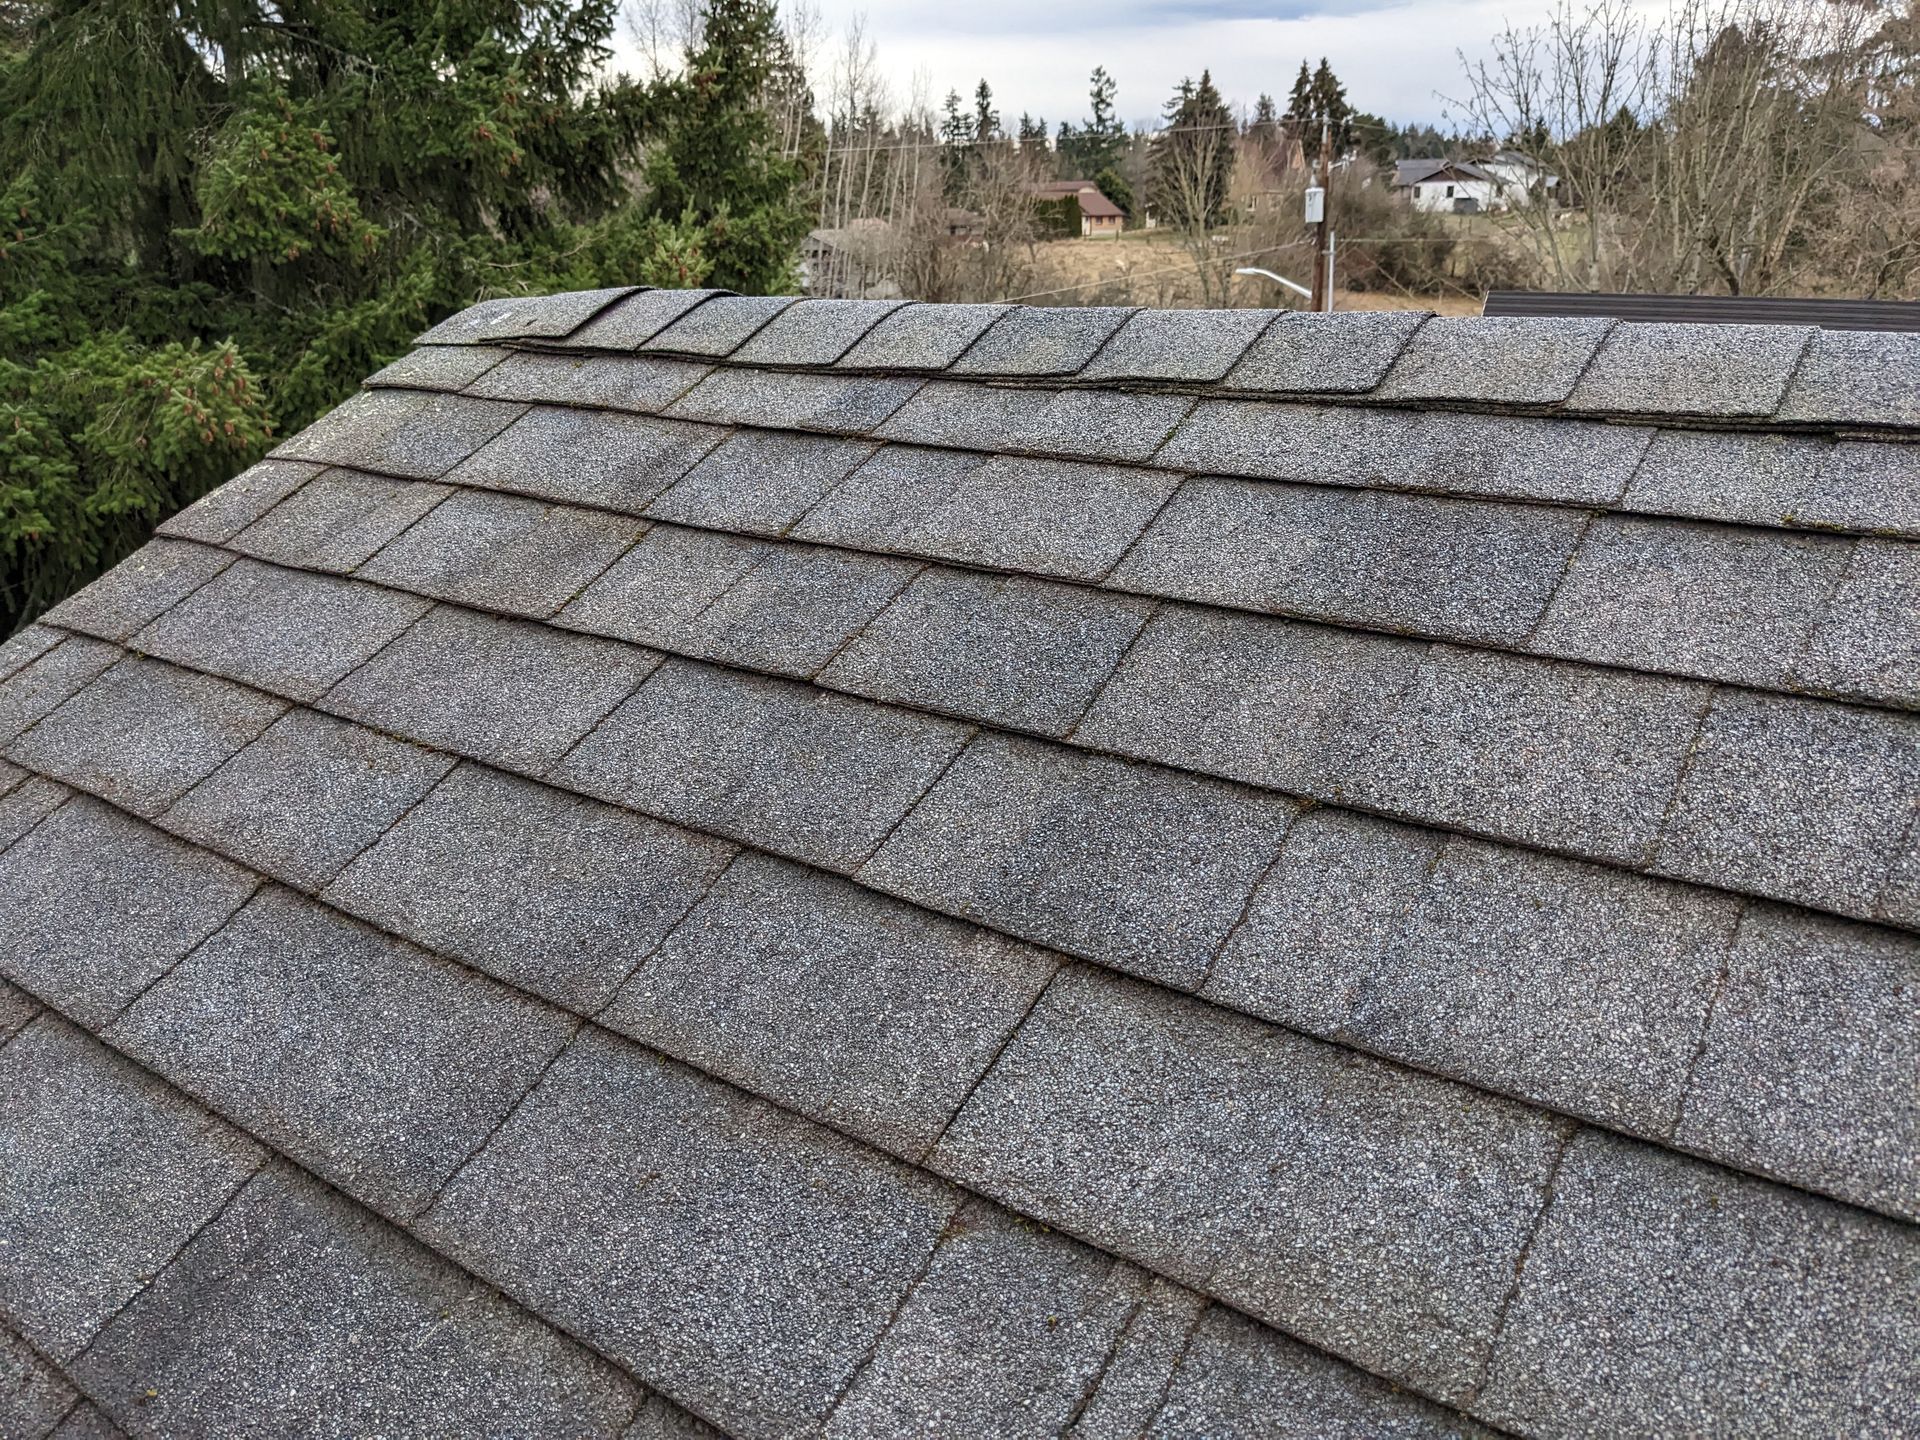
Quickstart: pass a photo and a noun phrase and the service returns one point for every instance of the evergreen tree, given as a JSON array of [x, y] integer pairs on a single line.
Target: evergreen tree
[[1101, 142], [1319, 99], [1114, 186], [1033, 132], [1265, 125], [986, 120], [956, 124], [1191, 164]]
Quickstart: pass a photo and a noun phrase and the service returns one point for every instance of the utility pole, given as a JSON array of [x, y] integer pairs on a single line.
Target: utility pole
[[1317, 217]]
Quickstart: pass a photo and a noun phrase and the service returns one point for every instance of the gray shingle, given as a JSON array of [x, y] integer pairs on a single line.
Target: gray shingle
[[802, 771], [375, 1066], [1790, 480], [283, 630], [1178, 345], [616, 382], [795, 608], [25, 646], [1457, 569], [146, 584], [736, 1258], [921, 337], [338, 520], [402, 432], [1495, 360], [1543, 752], [43, 683], [636, 319], [437, 367], [813, 332], [96, 905], [17, 1008], [33, 1395], [649, 593], [1002, 648], [847, 1006], [517, 317], [660, 1419], [144, 733], [108, 1174], [219, 515], [1272, 702], [1049, 517], [1031, 341], [1722, 370], [306, 797], [1663, 1296], [296, 1312], [1240, 1381], [1142, 1365], [504, 691], [1807, 1067], [1856, 377], [1797, 799], [618, 462], [87, 1421], [719, 327], [1010, 1322], [795, 400], [549, 892], [1724, 602], [759, 481], [1341, 354], [1372, 1212], [1076, 424], [1867, 642], [501, 552], [1140, 868]]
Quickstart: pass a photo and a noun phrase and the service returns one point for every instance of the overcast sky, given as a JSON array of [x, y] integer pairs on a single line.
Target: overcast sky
[[1037, 53]]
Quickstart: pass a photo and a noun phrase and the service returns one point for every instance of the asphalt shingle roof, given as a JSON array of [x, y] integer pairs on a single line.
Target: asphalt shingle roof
[[854, 869]]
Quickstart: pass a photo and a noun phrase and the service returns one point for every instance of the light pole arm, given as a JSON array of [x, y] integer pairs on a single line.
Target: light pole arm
[[1300, 290]]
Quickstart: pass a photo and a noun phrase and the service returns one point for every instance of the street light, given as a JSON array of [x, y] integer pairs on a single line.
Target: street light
[[1277, 279]]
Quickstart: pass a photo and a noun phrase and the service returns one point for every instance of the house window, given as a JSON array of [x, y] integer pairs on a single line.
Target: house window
[[1416, 192], [1449, 192]]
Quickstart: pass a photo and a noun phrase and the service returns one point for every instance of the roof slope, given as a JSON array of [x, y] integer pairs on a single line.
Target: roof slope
[[871, 869]]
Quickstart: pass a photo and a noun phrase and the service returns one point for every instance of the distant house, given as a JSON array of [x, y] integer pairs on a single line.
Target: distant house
[[1522, 178], [1098, 215], [1503, 182], [850, 262]]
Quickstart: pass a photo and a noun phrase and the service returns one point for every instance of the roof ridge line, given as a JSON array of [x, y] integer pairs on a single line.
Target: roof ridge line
[[1067, 957]]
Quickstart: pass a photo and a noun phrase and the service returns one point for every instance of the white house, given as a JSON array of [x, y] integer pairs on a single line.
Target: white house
[[1506, 180]]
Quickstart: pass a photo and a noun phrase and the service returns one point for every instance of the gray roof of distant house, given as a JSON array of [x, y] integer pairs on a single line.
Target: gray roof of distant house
[[837, 868]]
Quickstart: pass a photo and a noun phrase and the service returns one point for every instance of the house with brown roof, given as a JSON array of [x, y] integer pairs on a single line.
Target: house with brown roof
[[1099, 216]]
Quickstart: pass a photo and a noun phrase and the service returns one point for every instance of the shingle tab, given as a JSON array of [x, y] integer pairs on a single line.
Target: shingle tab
[[921, 337], [338, 520], [1347, 353], [25, 646], [1807, 1066], [518, 317], [795, 609], [1543, 752], [1856, 377], [795, 400], [25, 805], [502, 552], [505, 691], [1665, 1296], [144, 733], [547, 891], [1372, 1212], [1457, 569], [811, 774], [219, 515], [96, 906], [1272, 702], [719, 327], [1495, 360], [1719, 370], [652, 591], [1076, 424], [1009, 1322], [1025, 653], [813, 332], [1790, 480], [617, 462], [1868, 641], [108, 1174], [437, 367], [283, 630], [409, 433], [1140, 868], [1723, 602], [736, 1258], [1134, 1385], [1178, 345], [852, 1008], [759, 481], [42, 684], [372, 1064], [306, 797], [631, 322], [1046, 517], [1030, 341], [146, 584], [616, 382], [1797, 799], [34, 1397], [296, 1312]]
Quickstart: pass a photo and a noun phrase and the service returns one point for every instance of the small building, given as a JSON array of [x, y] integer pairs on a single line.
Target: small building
[[1448, 186], [1098, 215]]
